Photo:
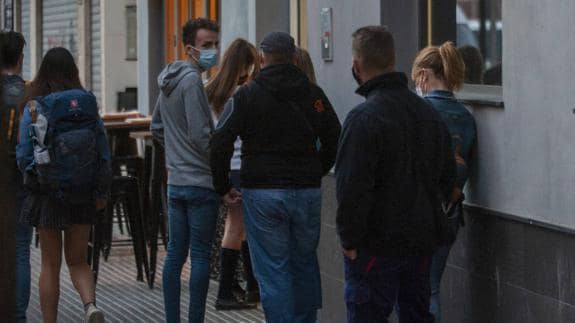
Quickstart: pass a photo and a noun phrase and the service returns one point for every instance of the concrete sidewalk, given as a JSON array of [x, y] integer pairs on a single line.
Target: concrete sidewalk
[[122, 298]]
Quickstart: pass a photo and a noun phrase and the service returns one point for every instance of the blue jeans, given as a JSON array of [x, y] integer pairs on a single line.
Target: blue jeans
[[374, 284], [283, 227], [437, 268], [23, 240], [192, 213]]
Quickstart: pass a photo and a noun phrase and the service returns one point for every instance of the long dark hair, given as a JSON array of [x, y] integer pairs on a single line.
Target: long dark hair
[[240, 56], [58, 72]]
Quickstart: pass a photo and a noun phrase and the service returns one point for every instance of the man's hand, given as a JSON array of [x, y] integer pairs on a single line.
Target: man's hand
[[233, 197], [351, 254], [456, 195], [101, 204]]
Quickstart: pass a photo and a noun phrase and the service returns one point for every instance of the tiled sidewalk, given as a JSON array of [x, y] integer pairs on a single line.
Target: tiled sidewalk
[[122, 298]]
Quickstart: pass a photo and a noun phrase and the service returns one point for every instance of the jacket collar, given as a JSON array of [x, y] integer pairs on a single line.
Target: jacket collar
[[386, 80], [439, 94]]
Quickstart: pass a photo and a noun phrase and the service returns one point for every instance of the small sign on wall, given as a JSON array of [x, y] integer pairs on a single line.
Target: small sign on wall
[[326, 34]]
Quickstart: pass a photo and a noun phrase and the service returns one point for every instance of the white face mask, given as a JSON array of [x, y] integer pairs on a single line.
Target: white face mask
[[418, 85], [419, 91]]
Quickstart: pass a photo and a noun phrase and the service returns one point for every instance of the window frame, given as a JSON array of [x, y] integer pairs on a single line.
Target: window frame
[[433, 30], [131, 13]]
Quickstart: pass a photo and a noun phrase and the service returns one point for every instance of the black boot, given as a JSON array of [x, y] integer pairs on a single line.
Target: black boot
[[226, 299], [252, 289]]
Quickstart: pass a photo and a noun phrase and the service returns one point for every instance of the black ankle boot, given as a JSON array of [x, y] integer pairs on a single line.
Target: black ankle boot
[[252, 289], [226, 299]]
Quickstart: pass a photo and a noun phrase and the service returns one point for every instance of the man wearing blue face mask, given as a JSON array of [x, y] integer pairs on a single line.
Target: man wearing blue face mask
[[182, 123]]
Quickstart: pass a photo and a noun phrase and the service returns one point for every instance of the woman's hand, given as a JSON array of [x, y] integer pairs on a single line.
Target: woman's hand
[[233, 197], [101, 204]]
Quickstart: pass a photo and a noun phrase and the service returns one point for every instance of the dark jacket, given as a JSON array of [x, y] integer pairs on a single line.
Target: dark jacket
[[279, 118], [391, 145]]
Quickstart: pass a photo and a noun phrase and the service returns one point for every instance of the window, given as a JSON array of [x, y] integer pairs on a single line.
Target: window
[[8, 14], [479, 36], [131, 33]]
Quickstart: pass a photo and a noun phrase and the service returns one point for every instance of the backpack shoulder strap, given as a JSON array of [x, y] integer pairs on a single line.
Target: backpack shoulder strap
[[32, 107]]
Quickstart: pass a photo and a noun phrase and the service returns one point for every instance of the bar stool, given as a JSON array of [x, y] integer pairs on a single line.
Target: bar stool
[[126, 194], [158, 207]]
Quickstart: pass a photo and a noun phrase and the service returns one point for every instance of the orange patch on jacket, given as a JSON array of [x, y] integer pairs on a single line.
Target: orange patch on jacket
[[318, 106]]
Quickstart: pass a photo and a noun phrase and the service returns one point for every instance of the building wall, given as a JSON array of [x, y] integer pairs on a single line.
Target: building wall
[[509, 264], [525, 150], [501, 270], [402, 20], [118, 73], [235, 21], [335, 76], [506, 266], [252, 19], [271, 15]]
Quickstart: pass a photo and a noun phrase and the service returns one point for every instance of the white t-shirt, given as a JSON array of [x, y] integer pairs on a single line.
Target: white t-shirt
[[236, 161]]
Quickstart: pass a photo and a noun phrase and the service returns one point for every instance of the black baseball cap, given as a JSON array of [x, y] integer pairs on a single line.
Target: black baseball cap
[[278, 42]]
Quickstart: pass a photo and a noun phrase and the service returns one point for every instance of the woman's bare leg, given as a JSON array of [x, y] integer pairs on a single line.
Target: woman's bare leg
[[234, 229], [49, 282], [76, 251]]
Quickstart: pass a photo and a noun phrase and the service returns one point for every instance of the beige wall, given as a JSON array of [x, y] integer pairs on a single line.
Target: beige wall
[[118, 73]]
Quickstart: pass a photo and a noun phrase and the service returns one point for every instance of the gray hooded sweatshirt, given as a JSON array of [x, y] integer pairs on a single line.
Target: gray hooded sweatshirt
[[182, 122]]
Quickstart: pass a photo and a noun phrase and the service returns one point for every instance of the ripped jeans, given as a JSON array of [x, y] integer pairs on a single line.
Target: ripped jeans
[[373, 285]]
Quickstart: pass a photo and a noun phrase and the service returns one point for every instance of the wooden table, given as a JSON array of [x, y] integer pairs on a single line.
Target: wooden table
[[121, 116], [118, 134]]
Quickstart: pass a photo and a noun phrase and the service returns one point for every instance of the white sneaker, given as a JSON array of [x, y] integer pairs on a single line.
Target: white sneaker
[[94, 314]]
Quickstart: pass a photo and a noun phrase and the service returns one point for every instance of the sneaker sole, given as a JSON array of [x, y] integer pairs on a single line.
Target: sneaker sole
[[96, 317]]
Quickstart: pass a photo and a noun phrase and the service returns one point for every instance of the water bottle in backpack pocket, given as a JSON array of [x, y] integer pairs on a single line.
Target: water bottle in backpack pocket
[[38, 134]]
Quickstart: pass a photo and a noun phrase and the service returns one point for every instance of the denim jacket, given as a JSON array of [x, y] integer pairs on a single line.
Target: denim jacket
[[461, 125]]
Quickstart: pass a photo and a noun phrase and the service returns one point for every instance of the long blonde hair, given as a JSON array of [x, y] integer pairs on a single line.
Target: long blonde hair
[[239, 57], [446, 63], [303, 61]]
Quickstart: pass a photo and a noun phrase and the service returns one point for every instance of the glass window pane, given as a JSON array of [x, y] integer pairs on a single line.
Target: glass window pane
[[479, 36], [132, 33]]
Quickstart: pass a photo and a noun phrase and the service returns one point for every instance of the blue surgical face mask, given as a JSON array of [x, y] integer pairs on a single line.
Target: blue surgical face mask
[[208, 58]]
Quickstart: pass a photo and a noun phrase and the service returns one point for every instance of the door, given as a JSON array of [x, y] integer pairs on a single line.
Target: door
[[177, 13]]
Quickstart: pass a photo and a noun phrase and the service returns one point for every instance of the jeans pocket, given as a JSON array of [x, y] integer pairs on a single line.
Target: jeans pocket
[[357, 291]]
